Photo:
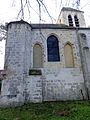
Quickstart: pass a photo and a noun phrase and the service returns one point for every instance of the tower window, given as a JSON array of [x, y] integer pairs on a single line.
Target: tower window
[[70, 20], [53, 48], [76, 21]]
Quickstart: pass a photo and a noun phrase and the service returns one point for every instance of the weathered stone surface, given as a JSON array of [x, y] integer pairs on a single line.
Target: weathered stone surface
[[56, 81]]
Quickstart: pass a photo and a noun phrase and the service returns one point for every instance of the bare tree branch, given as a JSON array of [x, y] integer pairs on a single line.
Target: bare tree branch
[[3, 32]]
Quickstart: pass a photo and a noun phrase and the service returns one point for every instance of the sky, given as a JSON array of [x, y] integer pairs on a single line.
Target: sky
[[10, 11]]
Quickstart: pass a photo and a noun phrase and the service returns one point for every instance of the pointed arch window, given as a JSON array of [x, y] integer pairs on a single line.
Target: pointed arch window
[[83, 38], [76, 21], [53, 49], [37, 56], [68, 51], [70, 20]]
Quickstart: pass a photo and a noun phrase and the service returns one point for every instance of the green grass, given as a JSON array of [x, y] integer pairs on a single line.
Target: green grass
[[69, 110]]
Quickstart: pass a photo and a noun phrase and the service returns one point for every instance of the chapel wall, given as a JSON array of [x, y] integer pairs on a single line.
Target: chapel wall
[[57, 82]]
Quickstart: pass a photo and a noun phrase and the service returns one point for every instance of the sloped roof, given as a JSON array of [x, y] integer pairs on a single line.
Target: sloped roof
[[39, 26], [46, 26], [50, 26], [70, 9]]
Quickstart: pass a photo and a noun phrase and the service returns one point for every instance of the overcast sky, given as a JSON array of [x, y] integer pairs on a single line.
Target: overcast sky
[[9, 11]]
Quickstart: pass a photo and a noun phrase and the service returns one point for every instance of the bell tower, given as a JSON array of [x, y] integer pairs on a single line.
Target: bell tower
[[71, 17]]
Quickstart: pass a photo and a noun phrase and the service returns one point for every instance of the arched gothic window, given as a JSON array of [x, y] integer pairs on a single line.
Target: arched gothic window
[[68, 51], [76, 21], [53, 49], [70, 20], [83, 36], [83, 39], [37, 56]]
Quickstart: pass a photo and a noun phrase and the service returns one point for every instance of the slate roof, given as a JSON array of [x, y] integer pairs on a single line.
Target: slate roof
[[46, 26], [70, 9], [40, 26]]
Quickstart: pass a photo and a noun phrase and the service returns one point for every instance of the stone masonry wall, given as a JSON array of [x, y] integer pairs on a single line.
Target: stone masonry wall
[[84, 37], [15, 64], [56, 82]]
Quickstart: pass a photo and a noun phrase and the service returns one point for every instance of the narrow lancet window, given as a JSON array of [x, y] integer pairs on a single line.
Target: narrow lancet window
[[53, 49], [76, 21], [70, 20], [69, 60], [37, 56]]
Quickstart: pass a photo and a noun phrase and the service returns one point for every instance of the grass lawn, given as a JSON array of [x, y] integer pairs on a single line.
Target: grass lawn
[[69, 110]]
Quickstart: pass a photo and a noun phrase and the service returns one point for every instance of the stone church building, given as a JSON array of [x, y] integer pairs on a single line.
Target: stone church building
[[47, 62]]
